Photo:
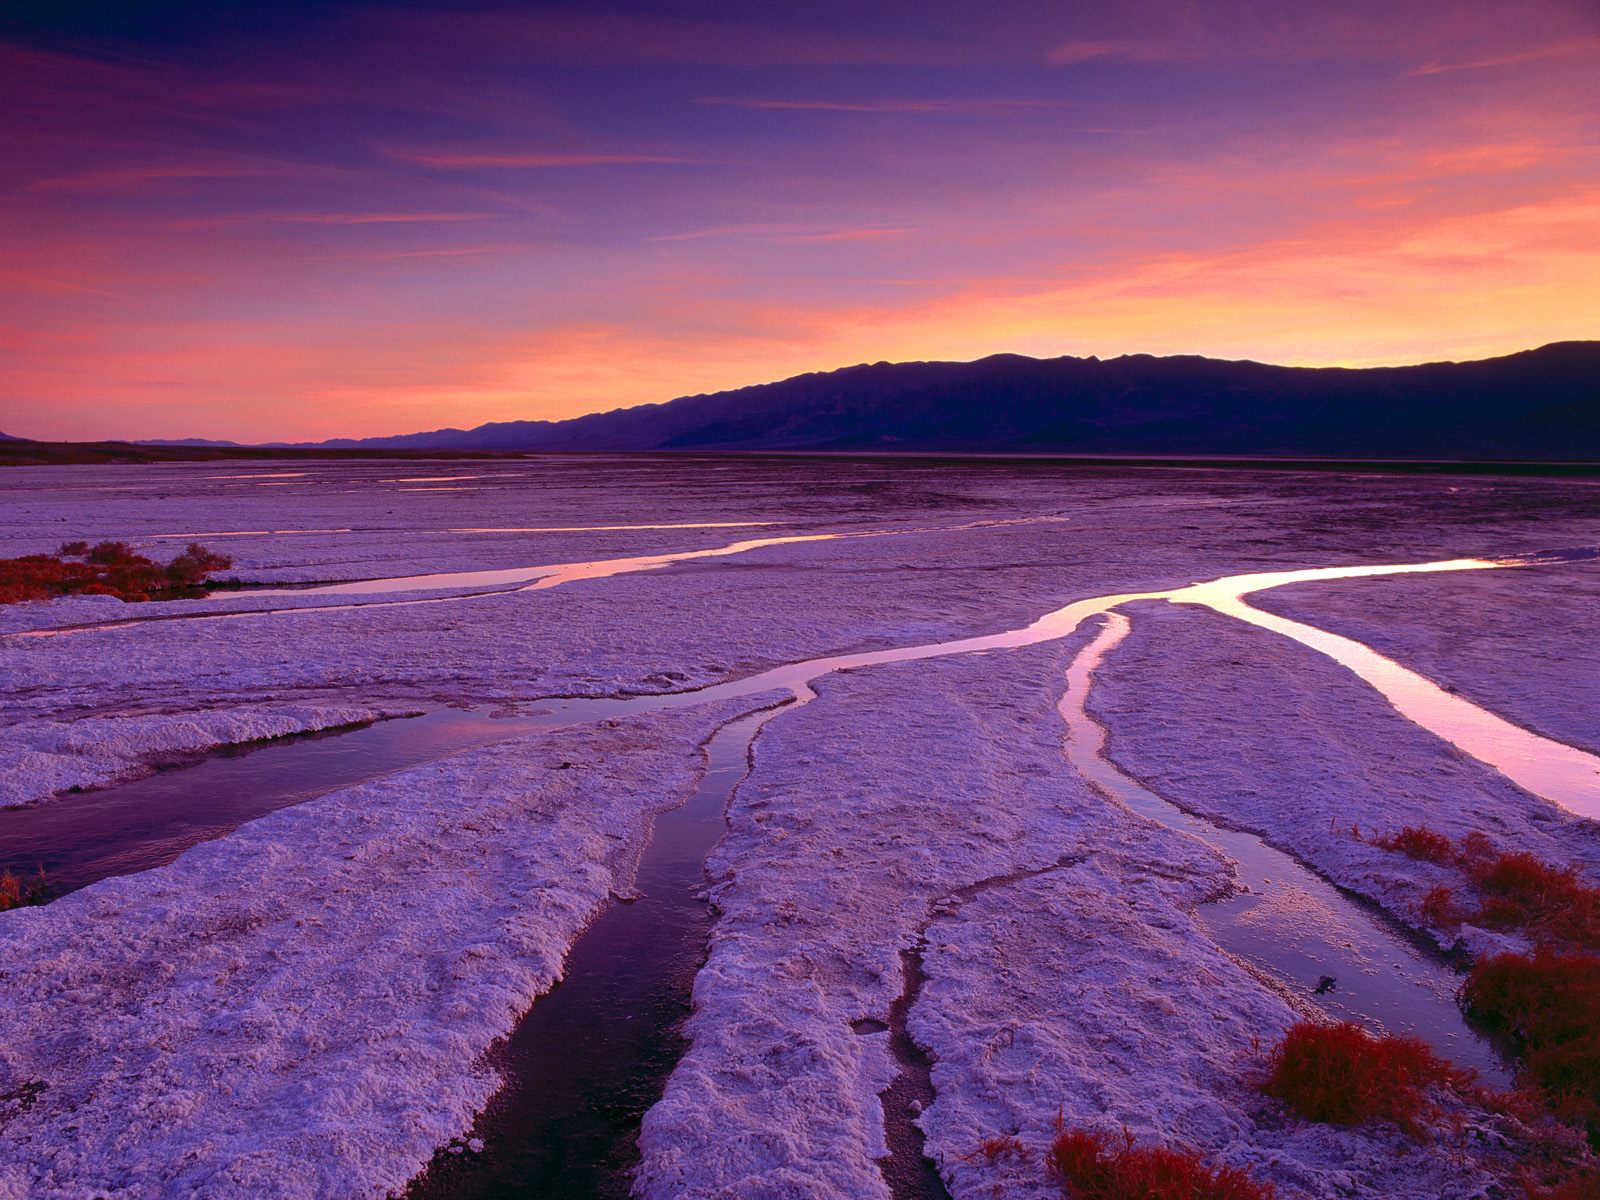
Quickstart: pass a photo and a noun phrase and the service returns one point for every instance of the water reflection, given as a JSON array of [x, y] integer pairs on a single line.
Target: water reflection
[[1289, 921]]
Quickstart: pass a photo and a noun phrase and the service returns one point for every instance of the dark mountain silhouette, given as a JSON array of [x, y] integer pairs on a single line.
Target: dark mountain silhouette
[[1538, 404], [185, 442]]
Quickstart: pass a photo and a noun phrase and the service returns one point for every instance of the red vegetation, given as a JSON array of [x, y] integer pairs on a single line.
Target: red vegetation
[[1344, 1075], [1549, 1003], [1516, 890], [108, 569], [16, 892], [1439, 908], [1416, 841], [1092, 1166], [1520, 892]]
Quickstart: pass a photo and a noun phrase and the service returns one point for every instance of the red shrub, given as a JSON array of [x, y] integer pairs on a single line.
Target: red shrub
[[1521, 892], [1581, 1185], [16, 892], [1439, 908], [114, 554], [194, 564], [1516, 890], [1549, 1002], [1092, 1166], [1419, 842], [1344, 1075], [111, 569]]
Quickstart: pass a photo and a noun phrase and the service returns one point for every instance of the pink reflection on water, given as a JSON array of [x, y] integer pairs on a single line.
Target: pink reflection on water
[[1560, 773]]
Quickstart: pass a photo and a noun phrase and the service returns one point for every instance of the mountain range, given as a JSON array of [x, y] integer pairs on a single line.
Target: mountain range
[[1537, 404]]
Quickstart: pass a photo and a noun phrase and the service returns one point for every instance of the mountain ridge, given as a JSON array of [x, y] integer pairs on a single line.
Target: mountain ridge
[[1537, 404]]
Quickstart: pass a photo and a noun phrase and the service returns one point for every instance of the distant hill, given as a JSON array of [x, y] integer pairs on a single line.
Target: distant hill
[[20, 452], [1538, 404], [183, 442]]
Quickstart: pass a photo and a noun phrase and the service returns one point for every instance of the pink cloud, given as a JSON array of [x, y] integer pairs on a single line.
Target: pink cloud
[[1535, 54], [441, 252], [784, 233], [332, 218], [1071, 52], [125, 178], [957, 105], [452, 160]]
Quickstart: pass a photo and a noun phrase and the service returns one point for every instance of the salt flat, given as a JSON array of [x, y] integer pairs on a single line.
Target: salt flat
[[920, 807]]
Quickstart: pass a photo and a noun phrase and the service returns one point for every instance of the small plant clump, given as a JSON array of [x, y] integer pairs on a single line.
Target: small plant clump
[[1092, 1166], [1440, 908], [1343, 1075], [1548, 1002], [1516, 890], [106, 569], [1419, 842], [17, 892], [1519, 891]]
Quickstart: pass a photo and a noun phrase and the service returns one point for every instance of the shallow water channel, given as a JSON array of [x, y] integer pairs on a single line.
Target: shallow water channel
[[592, 1055], [1288, 921]]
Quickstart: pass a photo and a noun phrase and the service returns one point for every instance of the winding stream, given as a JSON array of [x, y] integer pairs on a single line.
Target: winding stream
[[1290, 922]]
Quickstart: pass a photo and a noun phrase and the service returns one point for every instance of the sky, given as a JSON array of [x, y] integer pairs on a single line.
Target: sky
[[297, 221]]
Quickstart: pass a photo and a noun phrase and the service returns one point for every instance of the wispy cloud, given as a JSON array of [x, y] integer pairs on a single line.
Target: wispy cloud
[[22, 282], [125, 178], [587, 36], [442, 252], [1536, 54], [456, 160], [1068, 53], [332, 218], [907, 106], [785, 233], [848, 235]]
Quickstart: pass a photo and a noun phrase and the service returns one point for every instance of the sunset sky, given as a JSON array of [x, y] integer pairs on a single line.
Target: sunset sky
[[298, 221]]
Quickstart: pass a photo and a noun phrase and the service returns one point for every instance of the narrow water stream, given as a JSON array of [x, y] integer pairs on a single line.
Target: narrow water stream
[[1290, 922], [541, 577], [146, 822], [595, 1052], [482, 585]]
